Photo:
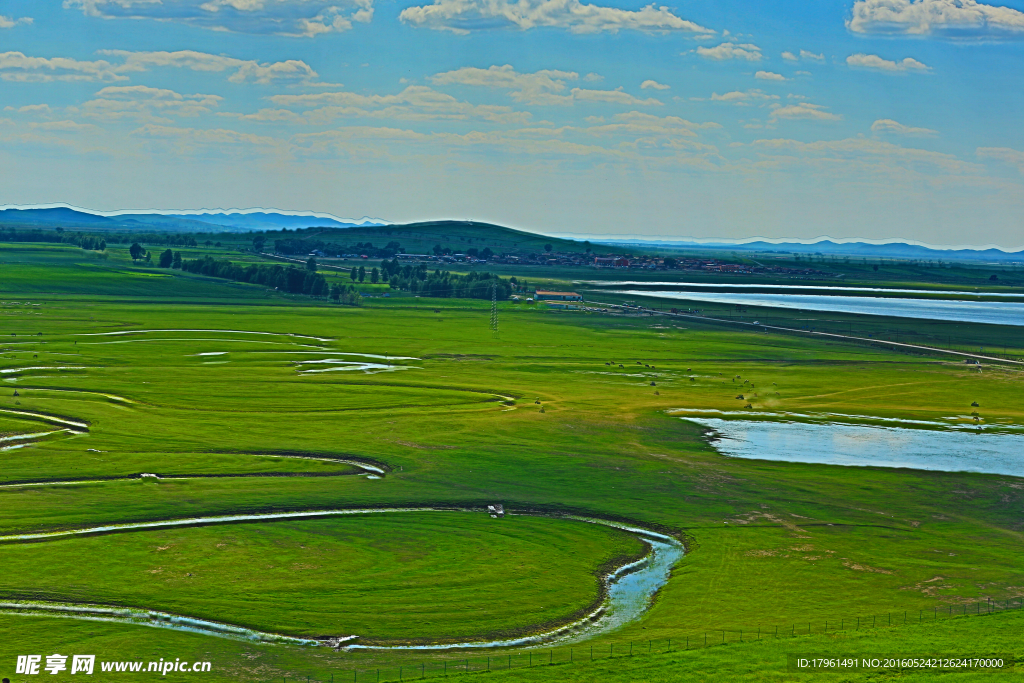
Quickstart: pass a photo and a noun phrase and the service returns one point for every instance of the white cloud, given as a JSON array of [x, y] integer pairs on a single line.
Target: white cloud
[[416, 102], [243, 70], [181, 137], [145, 104], [641, 123], [896, 128], [11, 22], [654, 84], [738, 97], [803, 111], [611, 97], [869, 154], [15, 66], [863, 61], [463, 16], [954, 19], [769, 76], [30, 109], [305, 18], [803, 55], [1004, 154], [593, 78], [751, 53], [539, 88]]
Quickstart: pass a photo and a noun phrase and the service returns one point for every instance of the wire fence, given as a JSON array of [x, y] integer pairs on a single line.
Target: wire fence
[[546, 656]]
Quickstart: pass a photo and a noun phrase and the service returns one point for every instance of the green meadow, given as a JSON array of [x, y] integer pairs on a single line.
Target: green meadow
[[243, 401]]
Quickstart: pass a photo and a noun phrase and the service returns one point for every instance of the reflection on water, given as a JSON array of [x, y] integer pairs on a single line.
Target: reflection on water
[[859, 445], [994, 312]]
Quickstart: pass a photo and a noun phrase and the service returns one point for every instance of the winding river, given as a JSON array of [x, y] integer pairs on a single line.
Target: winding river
[[629, 589]]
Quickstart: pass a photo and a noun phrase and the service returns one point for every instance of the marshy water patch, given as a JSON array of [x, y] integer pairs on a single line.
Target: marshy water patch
[[833, 443], [957, 422], [340, 365]]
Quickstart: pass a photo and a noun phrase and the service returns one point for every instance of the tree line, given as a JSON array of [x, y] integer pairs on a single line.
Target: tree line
[[443, 283], [298, 246], [59, 236], [283, 278]]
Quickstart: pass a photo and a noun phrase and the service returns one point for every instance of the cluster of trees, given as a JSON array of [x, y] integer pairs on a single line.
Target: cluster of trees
[[484, 253], [442, 283], [284, 278], [297, 246], [92, 243], [58, 236]]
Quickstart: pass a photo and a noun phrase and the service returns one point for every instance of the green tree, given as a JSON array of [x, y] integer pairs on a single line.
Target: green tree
[[547, 248], [353, 274], [136, 251], [486, 253], [362, 273], [374, 276], [166, 259], [258, 242], [103, 245], [335, 292], [176, 263], [311, 264]]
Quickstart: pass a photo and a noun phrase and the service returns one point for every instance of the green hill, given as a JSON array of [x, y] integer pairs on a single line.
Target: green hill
[[420, 238]]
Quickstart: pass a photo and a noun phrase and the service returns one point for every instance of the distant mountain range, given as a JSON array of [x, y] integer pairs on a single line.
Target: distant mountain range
[[234, 220], [901, 250], [244, 220]]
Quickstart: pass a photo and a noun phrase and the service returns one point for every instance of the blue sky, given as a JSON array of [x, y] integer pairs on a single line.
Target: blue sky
[[874, 119]]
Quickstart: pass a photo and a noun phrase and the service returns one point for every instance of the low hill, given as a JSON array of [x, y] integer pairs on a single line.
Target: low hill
[[421, 238]]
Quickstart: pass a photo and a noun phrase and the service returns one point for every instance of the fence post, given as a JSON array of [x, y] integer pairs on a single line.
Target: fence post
[[488, 663]]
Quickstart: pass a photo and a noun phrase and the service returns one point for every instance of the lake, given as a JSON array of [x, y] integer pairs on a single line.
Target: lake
[[863, 445], [993, 312]]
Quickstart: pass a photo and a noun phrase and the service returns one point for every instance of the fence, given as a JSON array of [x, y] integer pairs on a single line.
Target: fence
[[540, 656]]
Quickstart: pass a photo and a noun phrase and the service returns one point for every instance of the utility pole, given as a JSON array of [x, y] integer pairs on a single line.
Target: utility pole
[[494, 308]]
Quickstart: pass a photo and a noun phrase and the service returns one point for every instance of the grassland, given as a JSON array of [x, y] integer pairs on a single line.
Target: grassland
[[536, 418]]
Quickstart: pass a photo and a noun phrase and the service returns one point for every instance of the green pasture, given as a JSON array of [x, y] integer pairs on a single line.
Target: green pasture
[[401, 576], [758, 657], [539, 417]]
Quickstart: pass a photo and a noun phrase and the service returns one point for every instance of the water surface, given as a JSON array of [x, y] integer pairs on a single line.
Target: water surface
[[993, 312], [864, 445]]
